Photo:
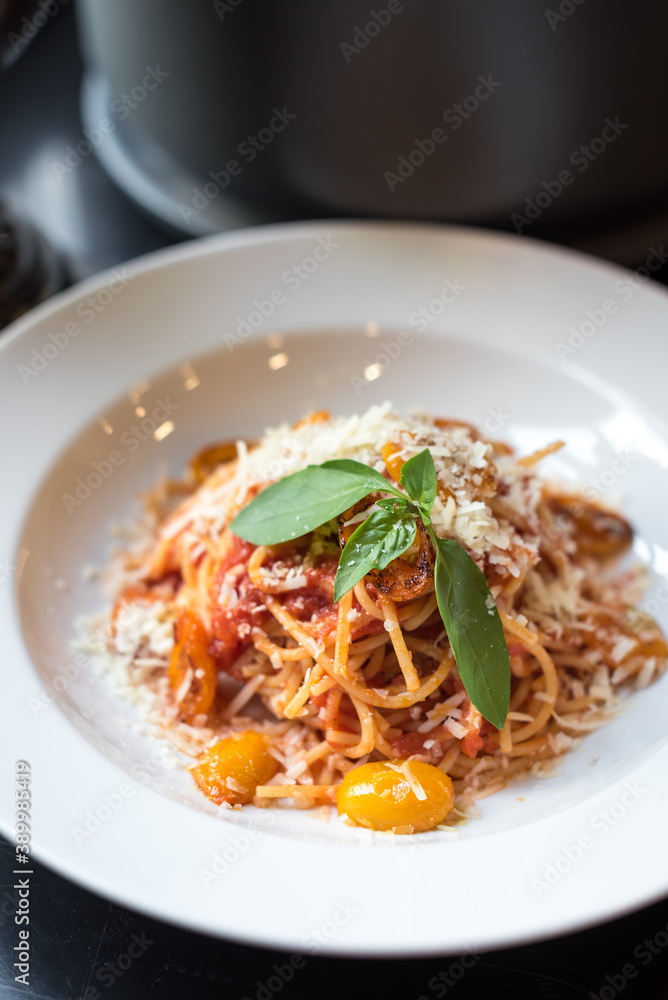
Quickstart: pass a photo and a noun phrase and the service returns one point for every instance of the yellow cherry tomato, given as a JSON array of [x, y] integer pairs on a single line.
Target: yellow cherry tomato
[[381, 797], [393, 462], [205, 461], [232, 768]]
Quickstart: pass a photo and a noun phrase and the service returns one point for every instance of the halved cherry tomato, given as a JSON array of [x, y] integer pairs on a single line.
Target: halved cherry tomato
[[203, 463], [191, 653]]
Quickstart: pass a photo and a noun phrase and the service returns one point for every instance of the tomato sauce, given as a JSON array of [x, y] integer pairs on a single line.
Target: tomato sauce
[[409, 743], [232, 627], [485, 738]]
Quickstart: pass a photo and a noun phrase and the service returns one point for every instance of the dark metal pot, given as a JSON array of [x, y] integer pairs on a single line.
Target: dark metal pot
[[477, 111]]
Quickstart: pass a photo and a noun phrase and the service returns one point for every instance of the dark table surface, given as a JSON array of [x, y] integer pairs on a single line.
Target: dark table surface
[[85, 946]]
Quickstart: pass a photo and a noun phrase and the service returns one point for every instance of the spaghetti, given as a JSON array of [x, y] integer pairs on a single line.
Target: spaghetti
[[235, 644]]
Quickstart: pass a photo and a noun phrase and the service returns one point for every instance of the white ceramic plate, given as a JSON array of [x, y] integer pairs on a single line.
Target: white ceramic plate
[[222, 337]]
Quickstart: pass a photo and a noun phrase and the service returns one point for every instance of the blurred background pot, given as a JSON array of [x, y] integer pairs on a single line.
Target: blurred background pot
[[478, 112]]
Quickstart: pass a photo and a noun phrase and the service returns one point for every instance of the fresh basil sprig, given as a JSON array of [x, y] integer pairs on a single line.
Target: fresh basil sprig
[[301, 502]]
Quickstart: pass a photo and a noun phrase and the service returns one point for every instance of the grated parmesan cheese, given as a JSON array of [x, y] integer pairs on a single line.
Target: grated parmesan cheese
[[460, 461]]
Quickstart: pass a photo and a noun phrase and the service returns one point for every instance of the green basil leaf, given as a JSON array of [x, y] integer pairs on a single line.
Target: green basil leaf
[[397, 505], [418, 478], [373, 545], [474, 629], [375, 480], [303, 501]]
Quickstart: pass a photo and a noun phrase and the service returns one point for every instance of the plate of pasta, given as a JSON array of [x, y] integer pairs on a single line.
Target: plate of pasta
[[339, 610]]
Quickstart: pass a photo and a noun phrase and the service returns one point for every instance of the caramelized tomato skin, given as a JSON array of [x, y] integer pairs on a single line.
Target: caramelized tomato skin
[[401, 580], [191, 653], [207, 459], [598, 533]]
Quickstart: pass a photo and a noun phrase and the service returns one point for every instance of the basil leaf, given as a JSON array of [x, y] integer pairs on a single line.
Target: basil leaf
[[397, 505], [304, 500], [418, 478], [474, 630], [373, 545], [375, 480]]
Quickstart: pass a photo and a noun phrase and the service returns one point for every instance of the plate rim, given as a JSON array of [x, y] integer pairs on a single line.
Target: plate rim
[[279, 233]]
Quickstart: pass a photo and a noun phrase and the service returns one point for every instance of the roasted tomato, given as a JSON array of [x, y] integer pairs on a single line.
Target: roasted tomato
[[232, 768], [203, 463], [191, 653], [379, 796], [598, 532], [405, 578], [393, 462]]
